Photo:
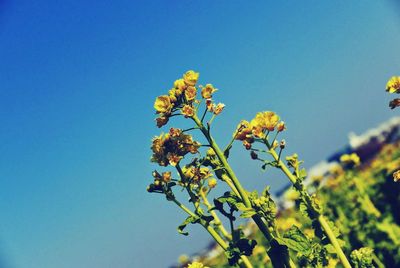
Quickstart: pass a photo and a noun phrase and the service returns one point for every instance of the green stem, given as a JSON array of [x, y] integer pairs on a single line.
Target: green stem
[[377, 261], [217, 220], [334, 241], [220, 241], [242, 193], [300, 187]]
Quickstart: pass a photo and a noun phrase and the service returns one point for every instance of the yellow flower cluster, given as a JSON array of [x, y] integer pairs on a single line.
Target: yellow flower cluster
[[181, 98], [256, 128], [183, 93], [196, 174], [170, 148], [393, 85], [350, 159]]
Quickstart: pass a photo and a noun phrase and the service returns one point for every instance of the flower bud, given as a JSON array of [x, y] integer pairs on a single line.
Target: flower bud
[[253, 155], [281, 126], [275, 144], [282, 144], [212, 183]]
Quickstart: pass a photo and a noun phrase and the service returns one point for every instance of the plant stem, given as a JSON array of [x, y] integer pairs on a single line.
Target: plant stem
[[377, 260], [213, 233], [334, 241], [299, 186], [235, 181], [217, 220]]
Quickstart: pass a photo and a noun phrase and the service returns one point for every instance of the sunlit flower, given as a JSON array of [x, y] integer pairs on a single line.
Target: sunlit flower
[[190, 78], [218, 108], [207, 91], [243, 130], [396, 176], [393, 85], [212, 183], [264, 120], [190, 93], [179, 86], [187, 110], [163, 104]]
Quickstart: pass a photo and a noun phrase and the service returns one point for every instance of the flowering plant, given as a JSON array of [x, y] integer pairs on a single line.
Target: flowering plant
[[203, 166]]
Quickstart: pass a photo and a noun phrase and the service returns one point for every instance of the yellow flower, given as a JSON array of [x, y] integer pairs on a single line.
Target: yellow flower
[[163, 104], [212, 183], [218, 108], [174, 159], [350, 159], [393, 85], [190, 93], [187, 110], [190, 78], [396, 176], [207, 91], [243, 130], [265, 121], [179, 86]]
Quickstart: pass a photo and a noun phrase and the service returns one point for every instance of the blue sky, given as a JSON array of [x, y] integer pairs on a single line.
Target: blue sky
[[77, 86]]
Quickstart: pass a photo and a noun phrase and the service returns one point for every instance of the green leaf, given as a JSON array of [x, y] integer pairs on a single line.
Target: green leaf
[[188, 220], [304, 209], [248, 213], [295, 240], [302, 174]]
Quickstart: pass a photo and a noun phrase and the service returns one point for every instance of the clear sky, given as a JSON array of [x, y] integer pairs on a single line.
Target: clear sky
[[77, 84]]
